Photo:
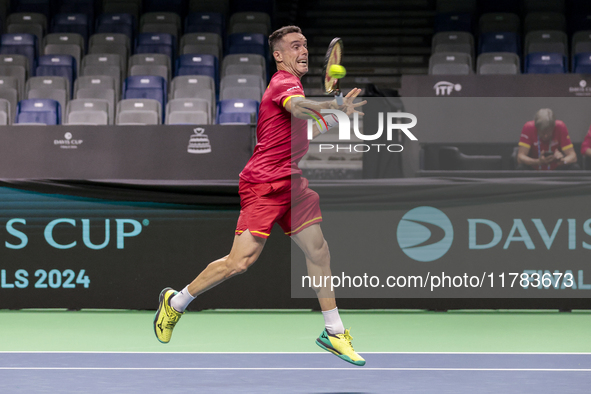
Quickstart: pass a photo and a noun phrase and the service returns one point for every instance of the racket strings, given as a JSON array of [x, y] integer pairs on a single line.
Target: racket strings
[[333, 56]]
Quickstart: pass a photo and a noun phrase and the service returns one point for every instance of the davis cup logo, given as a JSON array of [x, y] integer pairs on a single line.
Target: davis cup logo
[[425, 234], [68, 142], [199, 142]]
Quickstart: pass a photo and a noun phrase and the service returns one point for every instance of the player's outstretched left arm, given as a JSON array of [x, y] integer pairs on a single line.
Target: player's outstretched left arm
[[300, 107], [303, 108]]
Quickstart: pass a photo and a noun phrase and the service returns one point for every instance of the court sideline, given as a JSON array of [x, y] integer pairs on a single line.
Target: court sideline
[[268, 351]]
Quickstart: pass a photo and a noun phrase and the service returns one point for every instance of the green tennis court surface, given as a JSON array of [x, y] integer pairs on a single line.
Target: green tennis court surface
[[274, 351], [295, 331]]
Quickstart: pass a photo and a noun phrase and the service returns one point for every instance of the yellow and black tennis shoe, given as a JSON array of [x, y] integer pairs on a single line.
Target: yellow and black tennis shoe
[[166, 316], [340, 346]]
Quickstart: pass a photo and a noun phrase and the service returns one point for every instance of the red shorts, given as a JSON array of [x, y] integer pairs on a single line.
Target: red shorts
[[288, 202]]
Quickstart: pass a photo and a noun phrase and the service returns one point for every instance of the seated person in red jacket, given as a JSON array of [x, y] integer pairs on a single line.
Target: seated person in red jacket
[[586, 146], [545, 144], [586, 151]]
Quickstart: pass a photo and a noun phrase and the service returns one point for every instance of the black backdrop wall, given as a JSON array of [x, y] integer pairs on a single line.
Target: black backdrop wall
[[118, 246]]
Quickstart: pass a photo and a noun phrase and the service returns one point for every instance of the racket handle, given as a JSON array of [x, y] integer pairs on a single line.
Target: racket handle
[[339, 98]]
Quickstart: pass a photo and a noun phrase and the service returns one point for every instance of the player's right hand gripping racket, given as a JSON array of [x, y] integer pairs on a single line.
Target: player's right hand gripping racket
[[334, 55]]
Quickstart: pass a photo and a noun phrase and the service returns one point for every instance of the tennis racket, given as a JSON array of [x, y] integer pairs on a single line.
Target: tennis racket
[[334, 55]]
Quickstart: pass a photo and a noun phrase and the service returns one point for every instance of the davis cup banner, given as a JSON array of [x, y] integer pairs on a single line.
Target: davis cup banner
[[527, 239], [468, 239]]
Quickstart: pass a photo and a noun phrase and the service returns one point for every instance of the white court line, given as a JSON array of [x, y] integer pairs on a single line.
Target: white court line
[[289, 369], [318, 352]]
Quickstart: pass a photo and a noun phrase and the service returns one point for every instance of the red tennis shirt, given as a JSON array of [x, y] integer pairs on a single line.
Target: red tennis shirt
[[586, 143], [281, 143], [560, 141]]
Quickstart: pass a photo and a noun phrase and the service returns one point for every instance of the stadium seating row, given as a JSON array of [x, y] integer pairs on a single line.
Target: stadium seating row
[[188, 111], [136, 7], [105, 88], [499, 48], [545, 52], [458, 63], [159, 35], [243, 75], [508, 41], [72, 44], [126, 22], [511, 22], [472, 7]]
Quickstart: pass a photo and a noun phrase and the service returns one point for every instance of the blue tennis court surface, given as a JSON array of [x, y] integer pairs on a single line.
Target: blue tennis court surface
[[455, 373]]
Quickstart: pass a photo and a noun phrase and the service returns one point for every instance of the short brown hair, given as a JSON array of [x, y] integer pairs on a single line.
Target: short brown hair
[[280, 33]]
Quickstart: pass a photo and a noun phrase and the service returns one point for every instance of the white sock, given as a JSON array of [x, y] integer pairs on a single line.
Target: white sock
[[333, 322], [181, 300]]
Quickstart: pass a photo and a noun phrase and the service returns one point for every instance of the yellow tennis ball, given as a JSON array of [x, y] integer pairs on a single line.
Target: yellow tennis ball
[[337, 71]]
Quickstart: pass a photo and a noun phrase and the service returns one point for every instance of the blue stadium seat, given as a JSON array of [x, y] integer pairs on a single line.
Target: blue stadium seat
[[453, 22], [156, 43], [499, 42], [72, 23], [582, 63], [58, 66], [545, 63], [196, 64], [236, 111], [234, 118], [146, 87], [247, 43], [205, 22], [43, 111], [116, 23], [21, 44]]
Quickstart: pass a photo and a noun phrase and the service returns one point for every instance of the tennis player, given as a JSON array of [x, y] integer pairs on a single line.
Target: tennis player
[[272, 190]]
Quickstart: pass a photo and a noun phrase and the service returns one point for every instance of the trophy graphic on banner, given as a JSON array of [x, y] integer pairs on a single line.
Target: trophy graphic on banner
[[199, 142]]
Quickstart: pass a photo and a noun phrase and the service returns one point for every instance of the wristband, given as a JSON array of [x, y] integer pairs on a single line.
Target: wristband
[[331, 121]]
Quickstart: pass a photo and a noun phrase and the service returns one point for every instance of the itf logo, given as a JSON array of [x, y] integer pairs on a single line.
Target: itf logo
[[444, 88], [425, 234]]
